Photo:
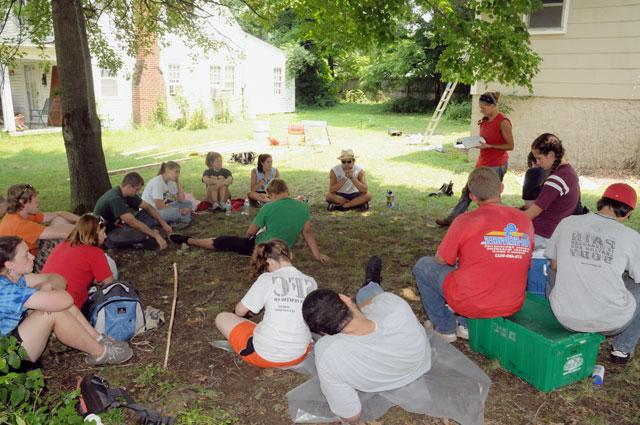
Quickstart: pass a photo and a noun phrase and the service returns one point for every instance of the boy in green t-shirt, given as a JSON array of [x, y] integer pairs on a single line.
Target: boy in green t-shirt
[[283, 218]]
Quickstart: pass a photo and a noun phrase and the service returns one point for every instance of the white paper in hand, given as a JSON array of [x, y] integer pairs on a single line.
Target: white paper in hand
[[470, 142]]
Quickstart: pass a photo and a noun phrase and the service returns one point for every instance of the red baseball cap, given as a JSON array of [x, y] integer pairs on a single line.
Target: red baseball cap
[[622, 192]]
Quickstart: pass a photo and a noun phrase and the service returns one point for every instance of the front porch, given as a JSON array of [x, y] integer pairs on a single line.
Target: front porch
[[29, 98]]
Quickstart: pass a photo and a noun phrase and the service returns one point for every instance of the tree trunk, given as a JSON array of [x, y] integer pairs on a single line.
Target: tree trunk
[[80, 123]]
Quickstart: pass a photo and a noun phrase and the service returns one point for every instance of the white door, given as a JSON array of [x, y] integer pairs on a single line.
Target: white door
[[31, 81]]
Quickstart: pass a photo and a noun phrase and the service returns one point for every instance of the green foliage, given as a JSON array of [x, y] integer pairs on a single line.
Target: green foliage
[[198, 120], [459, 111], [195, 416], [408, 105], [355, 96], [222, 109], [147, 377], [21, 400], [183, 106], [159, 115]]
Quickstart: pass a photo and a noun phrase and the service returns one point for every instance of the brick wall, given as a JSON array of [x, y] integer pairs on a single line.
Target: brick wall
[[148, 84]]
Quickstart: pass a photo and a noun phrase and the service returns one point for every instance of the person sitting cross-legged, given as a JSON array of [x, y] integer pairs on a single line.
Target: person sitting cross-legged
[[282, 218], [282, 338], [24, 219], [131, 222], [375, 344], [347, 185], [480, 268], [34, 305], [591, 254]]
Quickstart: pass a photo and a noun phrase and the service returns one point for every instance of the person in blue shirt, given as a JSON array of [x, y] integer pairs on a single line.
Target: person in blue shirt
[[34, 305]]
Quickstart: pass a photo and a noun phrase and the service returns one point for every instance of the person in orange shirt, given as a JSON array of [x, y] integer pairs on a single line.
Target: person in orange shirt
[[24, 219]]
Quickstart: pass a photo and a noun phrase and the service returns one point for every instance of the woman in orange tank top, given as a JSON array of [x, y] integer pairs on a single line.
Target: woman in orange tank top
[[495, 128]]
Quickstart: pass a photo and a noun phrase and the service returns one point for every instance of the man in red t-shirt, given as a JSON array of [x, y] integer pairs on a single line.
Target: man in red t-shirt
[[492, 247]]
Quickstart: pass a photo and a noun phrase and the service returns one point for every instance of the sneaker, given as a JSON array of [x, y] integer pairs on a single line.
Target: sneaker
[[373, 270], [107, 340], [334, 207], [443, 222], [462, 332], [619, 357], [113, 354], [215, 206], [428, 325], [147, 243], [179, 239], [364, 207]]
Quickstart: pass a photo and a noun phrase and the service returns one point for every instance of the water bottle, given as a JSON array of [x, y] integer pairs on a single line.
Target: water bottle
[[245, 207], [391, 199], [598, 374], [227, 207]]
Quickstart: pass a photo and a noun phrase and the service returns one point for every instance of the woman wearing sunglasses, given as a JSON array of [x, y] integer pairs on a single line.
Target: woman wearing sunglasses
[[80, 260], [347, 185], [24, 219]]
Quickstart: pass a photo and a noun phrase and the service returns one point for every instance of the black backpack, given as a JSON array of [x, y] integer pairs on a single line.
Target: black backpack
[[96, 396]]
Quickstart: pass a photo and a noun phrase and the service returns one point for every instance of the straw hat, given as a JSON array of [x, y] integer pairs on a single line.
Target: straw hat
[[347, 154]]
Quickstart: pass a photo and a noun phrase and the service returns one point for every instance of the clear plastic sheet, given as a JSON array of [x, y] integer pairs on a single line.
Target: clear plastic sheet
[[454, 388]]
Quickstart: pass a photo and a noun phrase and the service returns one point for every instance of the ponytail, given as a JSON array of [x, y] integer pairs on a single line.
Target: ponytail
[[169, 165]]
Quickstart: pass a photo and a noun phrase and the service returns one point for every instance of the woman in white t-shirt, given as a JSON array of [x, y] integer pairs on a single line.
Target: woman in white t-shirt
[[166, 195], [282, 338]]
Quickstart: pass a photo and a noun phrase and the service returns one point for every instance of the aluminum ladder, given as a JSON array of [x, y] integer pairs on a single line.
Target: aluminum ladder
[[437, 114]]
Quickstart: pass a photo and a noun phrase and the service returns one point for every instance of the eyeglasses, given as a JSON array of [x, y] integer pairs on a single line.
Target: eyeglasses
[[347, 161]]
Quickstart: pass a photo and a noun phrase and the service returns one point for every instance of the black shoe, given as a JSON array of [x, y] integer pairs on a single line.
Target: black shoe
[[443, 222], [335, 207], [178, 239], [449, 189], [364, 207], [373, 270], [148, 243]]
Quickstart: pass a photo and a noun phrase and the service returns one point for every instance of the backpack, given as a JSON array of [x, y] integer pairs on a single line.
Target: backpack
[[96, 396], [116, 310]]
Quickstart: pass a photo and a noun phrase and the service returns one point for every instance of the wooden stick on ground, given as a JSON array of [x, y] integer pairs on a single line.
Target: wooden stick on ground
[[173, 313]]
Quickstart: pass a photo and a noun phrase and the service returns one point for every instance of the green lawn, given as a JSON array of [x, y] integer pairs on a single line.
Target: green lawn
[[207, 386]]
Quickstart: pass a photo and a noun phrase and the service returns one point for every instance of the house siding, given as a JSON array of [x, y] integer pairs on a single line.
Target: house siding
[[588, 88]]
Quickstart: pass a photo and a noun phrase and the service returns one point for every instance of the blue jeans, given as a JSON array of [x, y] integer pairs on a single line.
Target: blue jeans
[[430, 276], [126, 236], [465, 200], [627, 339], [368, 291], [171, 214]]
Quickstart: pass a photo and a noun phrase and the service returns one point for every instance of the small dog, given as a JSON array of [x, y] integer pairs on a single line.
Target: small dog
[[244, 158]]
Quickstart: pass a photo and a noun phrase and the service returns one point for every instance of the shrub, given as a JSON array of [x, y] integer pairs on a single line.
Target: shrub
[[159, 115], [21, 400], [222, 109], [408, 105], [459, 111], [198, 120], [355, 96]]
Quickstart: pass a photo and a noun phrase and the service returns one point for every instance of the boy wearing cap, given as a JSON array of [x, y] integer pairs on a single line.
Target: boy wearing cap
[[591, 253], [347, 185]]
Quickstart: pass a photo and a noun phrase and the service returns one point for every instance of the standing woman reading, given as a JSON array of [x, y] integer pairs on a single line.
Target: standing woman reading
[[495, 128]]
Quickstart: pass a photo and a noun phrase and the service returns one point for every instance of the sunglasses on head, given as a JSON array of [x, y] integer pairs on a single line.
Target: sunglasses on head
[[27, 190], [347, 161]]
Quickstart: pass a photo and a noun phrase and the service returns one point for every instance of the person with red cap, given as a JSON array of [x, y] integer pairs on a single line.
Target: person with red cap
[[597, 263]]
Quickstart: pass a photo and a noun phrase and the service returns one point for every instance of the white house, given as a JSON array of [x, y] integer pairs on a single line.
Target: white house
[[588, 88], [247, 73]]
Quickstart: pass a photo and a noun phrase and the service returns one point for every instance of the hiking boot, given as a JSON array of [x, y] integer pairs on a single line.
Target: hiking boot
[[619, 357], [443, 222], [179, 239], [462, 332], [107, 340], [373, 270], [113, 354], [428, 325]]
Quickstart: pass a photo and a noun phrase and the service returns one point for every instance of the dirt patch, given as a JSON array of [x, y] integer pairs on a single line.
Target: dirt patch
[[208, 385]]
